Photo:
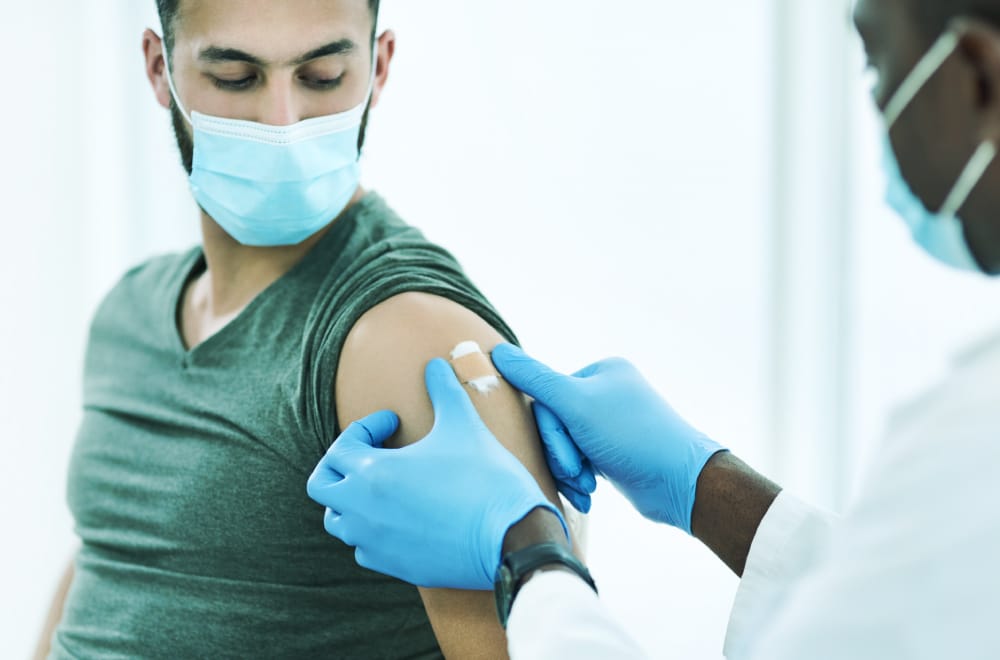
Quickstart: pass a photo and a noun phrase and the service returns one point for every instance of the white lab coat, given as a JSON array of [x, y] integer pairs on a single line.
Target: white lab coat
[[910, 570]]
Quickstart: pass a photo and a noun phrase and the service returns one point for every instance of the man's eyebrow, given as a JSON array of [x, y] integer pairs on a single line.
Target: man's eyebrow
[[217, 54], [340, 47]]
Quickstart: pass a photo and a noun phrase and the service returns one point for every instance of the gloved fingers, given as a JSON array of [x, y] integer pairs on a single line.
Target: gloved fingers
[[335, 525], [584, 483], [356, 445], [588, 477], [527, 374], [448, 396], [322, 479], [580, 501], [564, 458], [366, 559]]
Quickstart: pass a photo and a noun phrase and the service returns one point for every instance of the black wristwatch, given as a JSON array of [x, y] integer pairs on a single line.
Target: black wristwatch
[[517, 565]]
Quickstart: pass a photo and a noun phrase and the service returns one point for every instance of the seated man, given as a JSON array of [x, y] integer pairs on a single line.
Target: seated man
[[308, 305]]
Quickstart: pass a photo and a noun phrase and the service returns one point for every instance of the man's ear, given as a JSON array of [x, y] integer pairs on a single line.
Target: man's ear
[[152, 50], [979, 45], [386, 51]]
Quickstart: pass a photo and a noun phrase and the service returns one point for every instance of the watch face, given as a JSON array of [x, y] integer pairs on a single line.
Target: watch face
[[503, 591]]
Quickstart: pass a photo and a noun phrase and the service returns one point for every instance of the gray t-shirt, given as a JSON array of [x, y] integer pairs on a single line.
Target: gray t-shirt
[[188, 476]]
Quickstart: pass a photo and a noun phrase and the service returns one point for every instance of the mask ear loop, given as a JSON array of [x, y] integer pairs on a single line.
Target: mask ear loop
[[908, 90], [970, 177], [371, 80], [922, 72], [170, 82]]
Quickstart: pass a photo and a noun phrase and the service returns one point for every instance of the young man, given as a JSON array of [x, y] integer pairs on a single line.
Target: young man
[[308, 305]]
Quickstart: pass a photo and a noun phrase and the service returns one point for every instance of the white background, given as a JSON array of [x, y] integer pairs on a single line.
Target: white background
[[692, 185]]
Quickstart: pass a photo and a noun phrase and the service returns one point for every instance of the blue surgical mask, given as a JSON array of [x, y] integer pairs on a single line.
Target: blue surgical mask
[[269, 185], [940, 234]]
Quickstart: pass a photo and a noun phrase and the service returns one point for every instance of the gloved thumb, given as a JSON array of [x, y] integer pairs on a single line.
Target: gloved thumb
[[372, 430], [527, 374], [448, 396]]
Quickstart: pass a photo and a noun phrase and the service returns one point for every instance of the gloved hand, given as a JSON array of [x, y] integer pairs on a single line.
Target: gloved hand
[[435, 513], [608, 415]]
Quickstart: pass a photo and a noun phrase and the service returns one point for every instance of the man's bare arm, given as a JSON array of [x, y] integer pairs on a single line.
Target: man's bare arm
[[382, 367], [54, 615]]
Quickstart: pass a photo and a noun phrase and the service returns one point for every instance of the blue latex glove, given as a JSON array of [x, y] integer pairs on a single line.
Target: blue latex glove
[[435, 513], [573, 472], [608, 415]]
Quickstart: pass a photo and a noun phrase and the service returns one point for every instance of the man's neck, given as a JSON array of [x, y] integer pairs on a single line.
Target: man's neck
[[236, 274]]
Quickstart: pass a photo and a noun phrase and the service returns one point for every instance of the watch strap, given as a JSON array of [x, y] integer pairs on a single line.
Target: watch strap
[[516, 566]]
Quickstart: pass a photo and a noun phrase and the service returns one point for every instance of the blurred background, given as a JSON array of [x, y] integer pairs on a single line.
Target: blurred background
[[695, 186]]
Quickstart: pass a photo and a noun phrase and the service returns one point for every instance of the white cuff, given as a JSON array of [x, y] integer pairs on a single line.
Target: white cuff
[[557, 615], [791, 538]]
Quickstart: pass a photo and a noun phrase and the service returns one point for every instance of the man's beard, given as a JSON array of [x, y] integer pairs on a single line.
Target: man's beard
[[185, 143]]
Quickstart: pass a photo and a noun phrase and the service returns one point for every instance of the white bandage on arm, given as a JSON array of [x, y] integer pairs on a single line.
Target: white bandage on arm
[[474, 368]]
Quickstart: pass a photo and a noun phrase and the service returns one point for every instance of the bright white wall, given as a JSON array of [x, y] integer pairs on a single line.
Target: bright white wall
[[692, 185]]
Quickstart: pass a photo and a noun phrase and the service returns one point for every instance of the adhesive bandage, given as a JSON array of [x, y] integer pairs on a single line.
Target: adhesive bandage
[[474, 368]]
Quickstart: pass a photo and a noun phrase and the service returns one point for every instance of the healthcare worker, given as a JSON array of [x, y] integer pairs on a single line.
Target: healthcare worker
[[908, 572]]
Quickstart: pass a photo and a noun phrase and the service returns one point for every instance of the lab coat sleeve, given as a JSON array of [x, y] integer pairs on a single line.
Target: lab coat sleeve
[[790, 540], [556, 615]]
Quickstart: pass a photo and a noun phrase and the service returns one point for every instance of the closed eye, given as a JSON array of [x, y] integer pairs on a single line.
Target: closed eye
[[239, 85], [322, 84]]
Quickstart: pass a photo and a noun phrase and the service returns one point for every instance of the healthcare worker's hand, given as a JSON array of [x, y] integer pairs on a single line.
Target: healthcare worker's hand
[[608, 416], [435, 513]]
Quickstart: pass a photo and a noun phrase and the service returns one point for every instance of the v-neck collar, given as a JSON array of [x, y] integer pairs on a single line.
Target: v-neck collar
[[194, 265]]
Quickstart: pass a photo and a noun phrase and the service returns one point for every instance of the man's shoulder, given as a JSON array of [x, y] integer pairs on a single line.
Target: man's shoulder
[[375, 256], [146, 282], [378, 231]]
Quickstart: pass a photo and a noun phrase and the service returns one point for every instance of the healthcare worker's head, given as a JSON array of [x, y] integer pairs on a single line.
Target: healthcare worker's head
[[269, 102], [938, 86]]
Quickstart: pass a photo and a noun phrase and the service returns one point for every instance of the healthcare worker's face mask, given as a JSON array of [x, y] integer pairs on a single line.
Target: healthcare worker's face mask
[[939, 234], [275, 185]]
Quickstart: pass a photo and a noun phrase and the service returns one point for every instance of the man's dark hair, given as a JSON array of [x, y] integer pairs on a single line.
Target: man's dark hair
[[168, 14]]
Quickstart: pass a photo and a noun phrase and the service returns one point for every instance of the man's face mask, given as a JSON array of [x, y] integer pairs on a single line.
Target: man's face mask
[[269, 186], [940, 234]]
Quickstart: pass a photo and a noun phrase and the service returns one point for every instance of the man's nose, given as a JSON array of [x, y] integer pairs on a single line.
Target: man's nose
[[279, 105]]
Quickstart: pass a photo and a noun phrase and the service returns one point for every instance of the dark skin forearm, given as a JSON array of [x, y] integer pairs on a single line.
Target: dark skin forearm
[[539, 526], [730, 503]]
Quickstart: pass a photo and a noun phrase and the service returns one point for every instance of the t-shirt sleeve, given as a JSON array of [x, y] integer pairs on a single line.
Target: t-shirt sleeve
[[406, 263]]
